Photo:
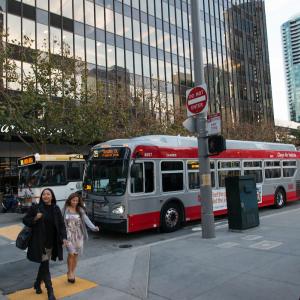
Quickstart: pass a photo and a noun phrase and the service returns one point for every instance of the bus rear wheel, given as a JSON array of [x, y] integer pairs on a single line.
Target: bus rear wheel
[[280, 198], [170, 217]]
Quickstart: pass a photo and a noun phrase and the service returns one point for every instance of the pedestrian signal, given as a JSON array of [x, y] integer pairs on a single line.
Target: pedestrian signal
[[216, 144]]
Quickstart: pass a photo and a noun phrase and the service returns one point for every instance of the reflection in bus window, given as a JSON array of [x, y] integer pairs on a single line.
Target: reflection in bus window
[[138, 171], [53, 175], [74, 171], [273, 173], [172, 182], [224, 174], [194, 182], [29, 176], [149, 177], [289, 168], [172, 176], [137, 178], [257, 174]]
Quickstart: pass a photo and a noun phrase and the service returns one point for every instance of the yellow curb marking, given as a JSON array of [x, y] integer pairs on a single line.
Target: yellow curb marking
[[10, 232], [62, 288]]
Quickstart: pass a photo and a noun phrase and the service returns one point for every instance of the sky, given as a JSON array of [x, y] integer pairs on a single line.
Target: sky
[[278, 12]]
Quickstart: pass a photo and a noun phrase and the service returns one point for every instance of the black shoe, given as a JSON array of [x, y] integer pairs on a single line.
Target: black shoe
[[51, 296], [37, 287], [71, 280]]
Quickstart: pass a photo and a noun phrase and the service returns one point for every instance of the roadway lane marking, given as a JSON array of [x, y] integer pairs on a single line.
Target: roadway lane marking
[[62, 288], [10, 232]]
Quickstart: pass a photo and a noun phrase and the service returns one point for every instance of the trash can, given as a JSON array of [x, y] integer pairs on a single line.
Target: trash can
[[242, 207]]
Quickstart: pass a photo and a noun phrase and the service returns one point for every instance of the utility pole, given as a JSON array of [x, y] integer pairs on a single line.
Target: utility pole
[[207, 216]]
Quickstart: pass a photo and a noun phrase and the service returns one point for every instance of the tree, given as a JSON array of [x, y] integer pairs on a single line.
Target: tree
[[56, 99], [249, 131]]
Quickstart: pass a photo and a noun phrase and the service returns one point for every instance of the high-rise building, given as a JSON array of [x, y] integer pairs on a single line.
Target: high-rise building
[[291, 50], [147, 44]]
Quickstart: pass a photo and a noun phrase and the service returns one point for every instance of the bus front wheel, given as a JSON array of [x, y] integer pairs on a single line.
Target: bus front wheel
[[280, 198], [170, 218]]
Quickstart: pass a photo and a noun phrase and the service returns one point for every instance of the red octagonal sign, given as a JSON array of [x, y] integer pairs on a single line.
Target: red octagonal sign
[[196, 100]]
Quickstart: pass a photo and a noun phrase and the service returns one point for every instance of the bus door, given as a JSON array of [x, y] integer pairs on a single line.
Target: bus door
[[142, 204]]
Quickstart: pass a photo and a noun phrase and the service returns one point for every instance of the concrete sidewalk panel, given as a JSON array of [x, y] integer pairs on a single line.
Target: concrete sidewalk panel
[[113, 270], [140, 274], [185, 280], [249, 287], [283, 269]]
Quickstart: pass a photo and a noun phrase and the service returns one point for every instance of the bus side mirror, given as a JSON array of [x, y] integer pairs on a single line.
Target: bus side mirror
[[216, 144]]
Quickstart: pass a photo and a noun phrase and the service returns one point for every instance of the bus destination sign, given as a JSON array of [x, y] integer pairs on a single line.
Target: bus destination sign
[[28, 160], [107, 153]]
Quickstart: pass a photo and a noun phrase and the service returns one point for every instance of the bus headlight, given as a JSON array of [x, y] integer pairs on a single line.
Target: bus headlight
[[119, 210]]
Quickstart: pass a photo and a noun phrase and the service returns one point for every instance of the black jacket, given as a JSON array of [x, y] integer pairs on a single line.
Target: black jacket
[[36, 244]]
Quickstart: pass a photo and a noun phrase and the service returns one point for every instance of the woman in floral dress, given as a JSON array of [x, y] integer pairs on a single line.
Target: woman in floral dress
[[76, 221]]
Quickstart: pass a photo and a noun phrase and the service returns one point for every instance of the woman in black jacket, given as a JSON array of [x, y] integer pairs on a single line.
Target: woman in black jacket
[[48, 237]]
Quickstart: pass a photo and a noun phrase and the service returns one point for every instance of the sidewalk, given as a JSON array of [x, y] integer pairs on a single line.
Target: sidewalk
[[259, 263]]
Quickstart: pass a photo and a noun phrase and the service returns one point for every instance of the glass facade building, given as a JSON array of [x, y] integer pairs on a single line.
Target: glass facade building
[[147, 45], [291, 50]]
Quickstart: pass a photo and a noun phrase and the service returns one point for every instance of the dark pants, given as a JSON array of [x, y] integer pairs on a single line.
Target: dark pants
[[44, 275]]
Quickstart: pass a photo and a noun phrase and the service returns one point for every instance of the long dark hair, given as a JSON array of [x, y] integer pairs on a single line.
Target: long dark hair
[[80, 205], [53, 201]]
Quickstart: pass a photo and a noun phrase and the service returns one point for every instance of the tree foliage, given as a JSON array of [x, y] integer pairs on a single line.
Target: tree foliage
[[56, 99]]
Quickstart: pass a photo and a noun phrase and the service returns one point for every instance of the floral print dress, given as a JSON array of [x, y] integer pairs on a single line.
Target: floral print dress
[[74, 232]]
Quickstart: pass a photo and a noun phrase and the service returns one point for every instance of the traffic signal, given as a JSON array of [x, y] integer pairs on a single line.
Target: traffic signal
[[216, 144]]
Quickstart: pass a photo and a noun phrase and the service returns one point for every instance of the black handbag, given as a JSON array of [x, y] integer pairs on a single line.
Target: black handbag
[[23, 238]]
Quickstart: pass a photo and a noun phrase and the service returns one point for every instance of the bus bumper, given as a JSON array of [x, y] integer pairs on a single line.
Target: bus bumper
[[110, 224]]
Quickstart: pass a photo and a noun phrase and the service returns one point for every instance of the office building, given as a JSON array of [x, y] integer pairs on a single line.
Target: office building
[[291, 51], [147, 44]]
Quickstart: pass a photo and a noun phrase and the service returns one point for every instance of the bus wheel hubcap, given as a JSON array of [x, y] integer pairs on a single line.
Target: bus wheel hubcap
[[279, 198], [172, 217]]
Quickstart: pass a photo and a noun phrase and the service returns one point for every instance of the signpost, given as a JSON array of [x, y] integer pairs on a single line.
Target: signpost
[[196, 107], [196, 100]]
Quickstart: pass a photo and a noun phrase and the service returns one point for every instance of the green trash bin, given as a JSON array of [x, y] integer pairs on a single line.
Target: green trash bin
[[242, 206]]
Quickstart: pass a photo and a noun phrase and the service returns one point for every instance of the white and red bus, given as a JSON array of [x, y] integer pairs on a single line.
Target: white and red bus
[[153, 181]]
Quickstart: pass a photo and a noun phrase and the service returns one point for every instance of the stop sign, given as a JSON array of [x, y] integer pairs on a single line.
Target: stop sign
[[196, 100]]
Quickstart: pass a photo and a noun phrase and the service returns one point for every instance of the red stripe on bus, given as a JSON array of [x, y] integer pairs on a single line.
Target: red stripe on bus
[[143, 221], [181, 153], [152, 219]]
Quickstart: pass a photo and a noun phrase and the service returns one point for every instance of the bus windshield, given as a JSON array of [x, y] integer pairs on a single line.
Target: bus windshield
[[107, 171], [29, 176]]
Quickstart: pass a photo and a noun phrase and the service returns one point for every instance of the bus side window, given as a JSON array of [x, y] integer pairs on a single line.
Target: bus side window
[[137, 178], [172, 176], [74, 171]]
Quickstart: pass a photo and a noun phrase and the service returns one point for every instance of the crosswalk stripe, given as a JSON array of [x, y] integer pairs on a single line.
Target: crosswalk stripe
[[10, 232], [62, 288]]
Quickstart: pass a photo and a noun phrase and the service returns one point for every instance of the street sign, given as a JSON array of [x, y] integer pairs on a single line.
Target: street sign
[[214, 124], [196, 100], [190, 125]]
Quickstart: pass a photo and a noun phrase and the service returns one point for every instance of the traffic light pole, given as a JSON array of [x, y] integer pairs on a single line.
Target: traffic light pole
[[207, 216]]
